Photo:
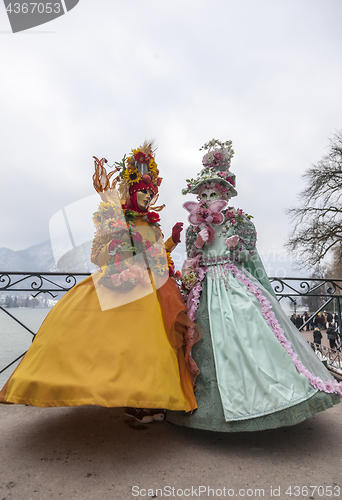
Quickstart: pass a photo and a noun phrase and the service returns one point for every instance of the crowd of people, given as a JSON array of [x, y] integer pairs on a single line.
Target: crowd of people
[[322, 321]]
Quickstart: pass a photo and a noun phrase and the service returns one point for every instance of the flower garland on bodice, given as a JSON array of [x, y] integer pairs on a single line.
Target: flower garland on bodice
[[118, 227], [132, 216]]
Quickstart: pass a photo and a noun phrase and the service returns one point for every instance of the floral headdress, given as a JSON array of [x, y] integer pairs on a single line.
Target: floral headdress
[[216, 164], [138, 171]]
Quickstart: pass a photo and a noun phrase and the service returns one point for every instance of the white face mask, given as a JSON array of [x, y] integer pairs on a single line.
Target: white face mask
[[210, 194]]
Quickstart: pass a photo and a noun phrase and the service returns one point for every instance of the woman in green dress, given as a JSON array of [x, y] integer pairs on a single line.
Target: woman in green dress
[[255, 369]]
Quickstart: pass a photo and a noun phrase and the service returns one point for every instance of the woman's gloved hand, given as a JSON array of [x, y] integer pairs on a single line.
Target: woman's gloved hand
[[202, 237], [232, 242], [176, 231]]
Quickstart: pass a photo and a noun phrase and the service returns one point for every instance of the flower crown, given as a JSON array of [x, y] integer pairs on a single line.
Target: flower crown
[[216, 165], [140, 166], [137, 172], [219, 154]]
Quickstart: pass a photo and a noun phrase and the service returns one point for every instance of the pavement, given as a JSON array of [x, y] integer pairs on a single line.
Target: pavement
[[98, 453]]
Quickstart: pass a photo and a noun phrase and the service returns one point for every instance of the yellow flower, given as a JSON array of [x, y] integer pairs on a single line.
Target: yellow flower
[[97, 218], [153, 163], [103, 271], [109, 225], [152, 166], [128, 160], [105, 205], [169, 259], [153, 169], [159, 268], [132, 176]]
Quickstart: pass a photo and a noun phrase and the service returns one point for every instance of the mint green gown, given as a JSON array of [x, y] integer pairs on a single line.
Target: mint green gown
[[247, 380]]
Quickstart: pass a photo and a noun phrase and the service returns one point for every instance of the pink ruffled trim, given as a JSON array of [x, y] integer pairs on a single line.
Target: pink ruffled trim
[[194, 295], [192, 305], [332, 386]]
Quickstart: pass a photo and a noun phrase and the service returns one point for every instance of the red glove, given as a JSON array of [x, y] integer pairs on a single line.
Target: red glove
[[176, 231]]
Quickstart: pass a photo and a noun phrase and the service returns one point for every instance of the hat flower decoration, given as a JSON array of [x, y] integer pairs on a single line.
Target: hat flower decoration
[[216, 165], [140, 166]]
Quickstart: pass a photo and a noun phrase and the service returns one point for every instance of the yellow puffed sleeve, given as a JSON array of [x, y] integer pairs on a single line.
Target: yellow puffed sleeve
[[170, 245]]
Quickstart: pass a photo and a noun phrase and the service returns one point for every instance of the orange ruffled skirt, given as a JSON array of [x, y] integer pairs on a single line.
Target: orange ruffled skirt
[[130, 355]]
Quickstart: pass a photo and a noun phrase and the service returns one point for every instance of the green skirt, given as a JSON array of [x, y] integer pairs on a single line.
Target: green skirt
[[247, 381]]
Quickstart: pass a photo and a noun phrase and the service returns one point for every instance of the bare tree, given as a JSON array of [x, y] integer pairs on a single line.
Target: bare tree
[[318, 221], [334, 268], [312, 301]]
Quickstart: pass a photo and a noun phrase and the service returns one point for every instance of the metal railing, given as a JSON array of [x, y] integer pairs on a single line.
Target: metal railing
[[296, 288], [331, 357], [52, 283], [56, 283]]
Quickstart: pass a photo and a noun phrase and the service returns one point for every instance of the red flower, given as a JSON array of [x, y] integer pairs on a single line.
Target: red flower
[[153, 251], [204, 212], [137, 237], [140, 157], [231, 180], [115, 242], [171, 269], [153, 217], [110, 214]]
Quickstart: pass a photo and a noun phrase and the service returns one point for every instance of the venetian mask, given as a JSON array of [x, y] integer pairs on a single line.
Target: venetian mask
[[209, 194], [144, 198]]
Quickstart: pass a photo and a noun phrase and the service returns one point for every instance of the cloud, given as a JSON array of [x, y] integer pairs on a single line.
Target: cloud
[[264, 74]]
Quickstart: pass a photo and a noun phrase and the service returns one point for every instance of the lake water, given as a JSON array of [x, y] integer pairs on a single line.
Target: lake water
[[14, 339]]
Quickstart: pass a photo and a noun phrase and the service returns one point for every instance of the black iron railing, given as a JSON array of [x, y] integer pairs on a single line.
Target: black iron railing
[[331, 357], [55, 284], [297, 288]]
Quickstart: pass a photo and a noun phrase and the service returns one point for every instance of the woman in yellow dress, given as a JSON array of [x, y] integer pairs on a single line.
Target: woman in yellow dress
[[120, 338]]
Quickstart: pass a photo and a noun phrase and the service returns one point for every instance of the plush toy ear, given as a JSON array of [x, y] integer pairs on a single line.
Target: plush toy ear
[[191, 206], [217, 206]]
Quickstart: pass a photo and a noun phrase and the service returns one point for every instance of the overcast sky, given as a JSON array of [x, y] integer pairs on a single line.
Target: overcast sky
[[99, 80]]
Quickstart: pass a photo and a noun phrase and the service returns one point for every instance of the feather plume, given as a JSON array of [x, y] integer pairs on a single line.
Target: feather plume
[[124, 191], [100, 177]]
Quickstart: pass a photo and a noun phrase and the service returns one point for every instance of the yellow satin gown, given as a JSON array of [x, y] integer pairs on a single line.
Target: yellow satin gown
[[131, 355]]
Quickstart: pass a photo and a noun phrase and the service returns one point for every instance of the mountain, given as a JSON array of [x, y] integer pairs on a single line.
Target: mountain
[[40, 258], [36, 258]]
